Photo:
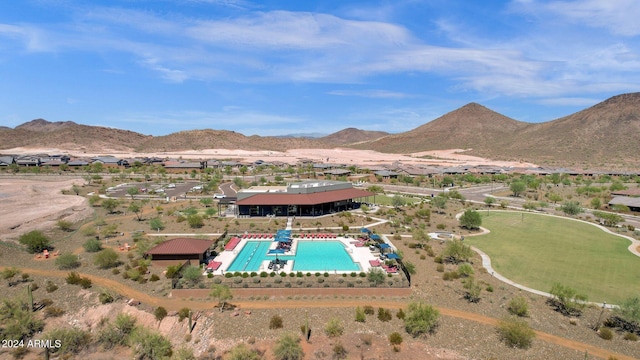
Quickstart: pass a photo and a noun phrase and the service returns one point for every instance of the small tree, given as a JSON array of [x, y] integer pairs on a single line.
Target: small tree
[[222, 293], [160, 313], [609, 219], [133, 191], [567, 300], [206, 201], [517, 188], [397, 201], [471, 219], [110, 205], [35, 241], [440, 202], [489, 201], [457, 252], [288, 348], [76, 189], [420, 319], [515, 332], [136, 208]]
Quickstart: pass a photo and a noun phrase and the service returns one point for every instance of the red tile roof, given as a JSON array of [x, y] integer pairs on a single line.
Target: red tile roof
[[304, 199], [181, 246]]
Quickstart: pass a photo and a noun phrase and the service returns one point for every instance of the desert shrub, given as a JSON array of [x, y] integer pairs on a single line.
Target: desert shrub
[[147, 344], [85, 283], [518, 306], [438, 260], [9, 273], [106, 297], [334, 328], [395, 338], [160, 313], [133, 274], [67, 261], [360, 316], [515, 332], [465, 270], [420, 319], [243, 352], [92, 245], [440, 268], [73, 278], [183, 314], [567, 300], [472, 289], [605, 333], [50, 286], [72, 340], [339, 351], [154, 277], [384, 315], [288, 348], [450, 275], [264, 274], [368, 309], [457, 252], [275, 322], [35, 241], [106, 259], [400, 314], [631, 336], [53, 311]]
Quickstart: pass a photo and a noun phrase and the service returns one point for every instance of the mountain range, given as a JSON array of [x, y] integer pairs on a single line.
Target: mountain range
[[607, 133]]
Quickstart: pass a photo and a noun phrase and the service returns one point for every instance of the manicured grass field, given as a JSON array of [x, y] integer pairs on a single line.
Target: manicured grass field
[[537, 250]]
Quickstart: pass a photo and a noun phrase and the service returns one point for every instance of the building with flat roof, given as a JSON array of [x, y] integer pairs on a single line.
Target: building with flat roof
[[308, 198]]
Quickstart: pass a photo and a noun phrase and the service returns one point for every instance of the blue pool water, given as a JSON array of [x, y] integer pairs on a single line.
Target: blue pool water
[[310, 256]]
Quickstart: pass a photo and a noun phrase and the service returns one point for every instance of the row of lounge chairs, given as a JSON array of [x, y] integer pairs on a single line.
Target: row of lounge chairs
[[318, 236], [257, 236], [276, 264]]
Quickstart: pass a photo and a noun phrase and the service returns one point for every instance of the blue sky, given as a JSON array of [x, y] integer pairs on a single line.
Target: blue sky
[[282, 67]]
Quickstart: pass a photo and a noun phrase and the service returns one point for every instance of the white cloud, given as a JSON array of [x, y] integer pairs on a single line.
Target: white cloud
[[372, 93]]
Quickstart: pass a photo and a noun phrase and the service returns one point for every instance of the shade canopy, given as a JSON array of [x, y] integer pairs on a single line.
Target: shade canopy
[[393, 256]]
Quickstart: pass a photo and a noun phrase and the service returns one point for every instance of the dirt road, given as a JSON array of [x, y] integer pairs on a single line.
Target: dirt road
[[176, 304]]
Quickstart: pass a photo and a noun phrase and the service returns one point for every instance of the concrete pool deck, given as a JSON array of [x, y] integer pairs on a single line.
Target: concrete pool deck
[[359, 254]]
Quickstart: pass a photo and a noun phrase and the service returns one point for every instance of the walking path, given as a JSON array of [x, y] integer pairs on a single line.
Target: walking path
[[486, 260], [176, 304]]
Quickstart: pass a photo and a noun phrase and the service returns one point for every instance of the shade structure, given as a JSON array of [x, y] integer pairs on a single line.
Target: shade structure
[[375, 237], [365, 230], [276, 251], [384, 246], [393, 256]]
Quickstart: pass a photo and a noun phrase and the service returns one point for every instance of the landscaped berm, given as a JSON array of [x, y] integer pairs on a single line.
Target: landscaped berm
[[538, 250]]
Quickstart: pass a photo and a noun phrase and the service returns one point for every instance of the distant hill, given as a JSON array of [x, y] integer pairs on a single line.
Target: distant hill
[[68, 135], [352, 136], [603, 135], [606, 133], [471, 126], [223, 139]]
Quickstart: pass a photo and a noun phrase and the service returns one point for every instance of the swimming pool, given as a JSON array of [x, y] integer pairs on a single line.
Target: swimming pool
[[310, 256]]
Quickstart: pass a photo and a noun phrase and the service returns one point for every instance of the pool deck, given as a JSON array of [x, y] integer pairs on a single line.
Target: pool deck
[[360, 254]]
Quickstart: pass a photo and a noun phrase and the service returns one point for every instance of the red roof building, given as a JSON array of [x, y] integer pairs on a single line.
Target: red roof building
[[302, 199], [181, 249]]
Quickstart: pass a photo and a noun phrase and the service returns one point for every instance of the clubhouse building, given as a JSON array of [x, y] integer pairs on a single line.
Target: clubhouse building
[[308, 198]]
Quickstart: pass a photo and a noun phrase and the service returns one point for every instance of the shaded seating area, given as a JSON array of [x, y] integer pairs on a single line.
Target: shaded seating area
[[319, 236], [283, 237], [276, 264], [374, 263], [232, 243]]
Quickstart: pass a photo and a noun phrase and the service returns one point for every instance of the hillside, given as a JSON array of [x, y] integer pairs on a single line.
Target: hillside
[[222, 139], [608, 132], [351, 136], [471, 126], [69, 136]]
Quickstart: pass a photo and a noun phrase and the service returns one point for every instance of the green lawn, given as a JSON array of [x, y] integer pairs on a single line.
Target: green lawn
[[537, 250], [388, 200]]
